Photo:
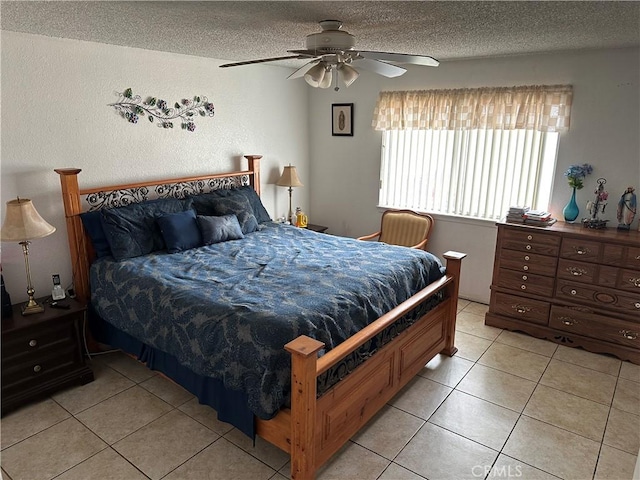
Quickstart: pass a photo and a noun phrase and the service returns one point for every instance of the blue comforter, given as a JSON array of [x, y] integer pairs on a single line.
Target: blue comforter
[[227, 310]]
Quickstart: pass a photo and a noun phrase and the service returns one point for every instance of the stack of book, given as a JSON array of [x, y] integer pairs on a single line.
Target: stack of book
[[539, 218], [517, 214]]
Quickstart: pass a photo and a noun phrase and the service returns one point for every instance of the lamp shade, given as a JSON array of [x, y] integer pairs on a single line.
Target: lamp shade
[[315, 75], [289, 178], [22, 222], [349, 74]]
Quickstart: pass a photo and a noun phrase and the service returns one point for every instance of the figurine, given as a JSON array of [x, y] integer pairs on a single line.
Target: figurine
[[627, 207], [597, 207]]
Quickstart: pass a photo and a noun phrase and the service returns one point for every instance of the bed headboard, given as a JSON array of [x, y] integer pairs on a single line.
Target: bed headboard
[[77, 201]]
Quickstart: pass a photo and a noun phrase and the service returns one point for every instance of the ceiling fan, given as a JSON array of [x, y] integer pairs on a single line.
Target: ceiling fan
[[332, 53]]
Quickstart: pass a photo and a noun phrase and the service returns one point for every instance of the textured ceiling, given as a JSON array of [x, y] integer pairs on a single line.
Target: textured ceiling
[[243, 30]]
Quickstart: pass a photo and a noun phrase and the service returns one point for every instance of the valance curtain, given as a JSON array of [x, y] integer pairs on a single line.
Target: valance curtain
[[546, 108]]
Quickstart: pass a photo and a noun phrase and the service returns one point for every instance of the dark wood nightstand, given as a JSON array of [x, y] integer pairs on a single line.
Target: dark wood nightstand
[[316, 228], [42, 353]]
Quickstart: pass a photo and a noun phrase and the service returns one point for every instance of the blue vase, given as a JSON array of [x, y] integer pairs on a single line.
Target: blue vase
[[571, 210]]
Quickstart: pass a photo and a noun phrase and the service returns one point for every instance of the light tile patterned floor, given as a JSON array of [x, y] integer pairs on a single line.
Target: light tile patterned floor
[[506, 406]]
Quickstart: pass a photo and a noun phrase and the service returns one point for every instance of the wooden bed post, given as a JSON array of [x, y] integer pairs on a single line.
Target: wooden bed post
[[304, 357], [454, 263], [254, 166], [77, 245]]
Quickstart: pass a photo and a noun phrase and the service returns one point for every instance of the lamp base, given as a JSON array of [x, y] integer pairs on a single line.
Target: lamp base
[[32, 307]]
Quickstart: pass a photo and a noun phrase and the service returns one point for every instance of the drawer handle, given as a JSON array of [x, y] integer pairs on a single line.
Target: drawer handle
[[576, 272], [33, 343], [574, 292], [529, 237], [521, 308], [526, 257], [525, 268], [37, 368], [523, 287], [635, 282], [637, 305], [581, 250], [637, 257], [528, 247], [524, 277], [568, 320], [629, 334]]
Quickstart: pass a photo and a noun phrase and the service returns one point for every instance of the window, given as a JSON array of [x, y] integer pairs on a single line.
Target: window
[[474, 173], [468, 152]]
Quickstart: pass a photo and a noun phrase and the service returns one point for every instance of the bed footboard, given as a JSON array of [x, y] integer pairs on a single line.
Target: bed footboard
[[315, 428]]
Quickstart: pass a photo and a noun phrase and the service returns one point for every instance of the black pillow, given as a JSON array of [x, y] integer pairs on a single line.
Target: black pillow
[[210, 204], [133, 231]]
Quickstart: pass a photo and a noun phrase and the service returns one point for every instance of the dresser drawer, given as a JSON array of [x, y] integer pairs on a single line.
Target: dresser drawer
[[632, 258], [528, 262], [595, 326], [526, 282], [579, 249], [525, 309], [40, 366], [597, 296], [531, 241], [629, 280], [578, 271], [26, 341]]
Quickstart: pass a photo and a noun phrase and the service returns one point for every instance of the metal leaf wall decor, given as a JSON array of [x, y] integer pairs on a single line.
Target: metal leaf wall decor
[[131, 108]]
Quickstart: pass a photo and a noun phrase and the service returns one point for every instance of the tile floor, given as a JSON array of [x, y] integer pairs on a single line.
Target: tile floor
[[506, 406]]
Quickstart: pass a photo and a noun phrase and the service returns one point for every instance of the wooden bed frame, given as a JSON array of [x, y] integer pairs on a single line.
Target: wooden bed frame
[[314, 428]]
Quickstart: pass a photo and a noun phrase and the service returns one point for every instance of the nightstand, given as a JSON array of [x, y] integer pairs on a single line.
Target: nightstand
[[42, 353], [316, 228]]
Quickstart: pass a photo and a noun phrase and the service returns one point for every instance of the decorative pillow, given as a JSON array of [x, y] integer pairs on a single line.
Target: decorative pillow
[[180, 231], [212, 204], [93, 226], [219, 229], [247, 191], [256, 204], [133, 231]]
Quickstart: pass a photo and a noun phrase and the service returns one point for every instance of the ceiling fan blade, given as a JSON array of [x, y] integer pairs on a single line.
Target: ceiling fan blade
[[302, 70], [401, 58], [262, 60], [381, 68]]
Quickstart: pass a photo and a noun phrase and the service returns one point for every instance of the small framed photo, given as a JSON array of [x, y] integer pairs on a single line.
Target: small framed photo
[[342, 119]]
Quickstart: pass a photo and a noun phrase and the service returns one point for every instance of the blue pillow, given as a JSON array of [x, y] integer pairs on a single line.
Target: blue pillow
[[219, 229], [93, 226], [210, 204], [133, 231], [180, 231]]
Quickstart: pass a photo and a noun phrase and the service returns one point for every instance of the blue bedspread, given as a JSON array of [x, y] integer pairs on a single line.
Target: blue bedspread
[[227, 310]]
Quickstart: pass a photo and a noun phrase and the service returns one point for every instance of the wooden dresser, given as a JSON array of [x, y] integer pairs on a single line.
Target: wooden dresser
[[573, 285], [42, 353]]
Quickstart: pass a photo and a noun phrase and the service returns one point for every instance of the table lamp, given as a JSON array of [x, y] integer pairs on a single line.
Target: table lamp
[[290, 179], [22, 223]]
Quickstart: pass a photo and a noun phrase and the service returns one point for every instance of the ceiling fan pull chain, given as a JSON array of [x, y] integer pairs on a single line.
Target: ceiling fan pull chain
[[335, 80]]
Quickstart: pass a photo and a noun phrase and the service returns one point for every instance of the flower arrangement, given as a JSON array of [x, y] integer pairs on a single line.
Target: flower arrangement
[[576, 173]]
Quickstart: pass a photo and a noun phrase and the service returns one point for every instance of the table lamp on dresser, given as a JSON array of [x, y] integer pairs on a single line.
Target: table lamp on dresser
[[23, 223]]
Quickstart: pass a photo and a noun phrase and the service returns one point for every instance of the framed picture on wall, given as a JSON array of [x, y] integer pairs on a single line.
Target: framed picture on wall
[[342, 119]]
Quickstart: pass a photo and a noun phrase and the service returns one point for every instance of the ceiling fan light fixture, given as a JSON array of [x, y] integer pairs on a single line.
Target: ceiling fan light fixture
[[348, 74], [315, 75], [328, 77]]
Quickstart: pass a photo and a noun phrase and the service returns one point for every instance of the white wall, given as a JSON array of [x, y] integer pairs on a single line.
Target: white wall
[[605, 128], [54, 114]]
